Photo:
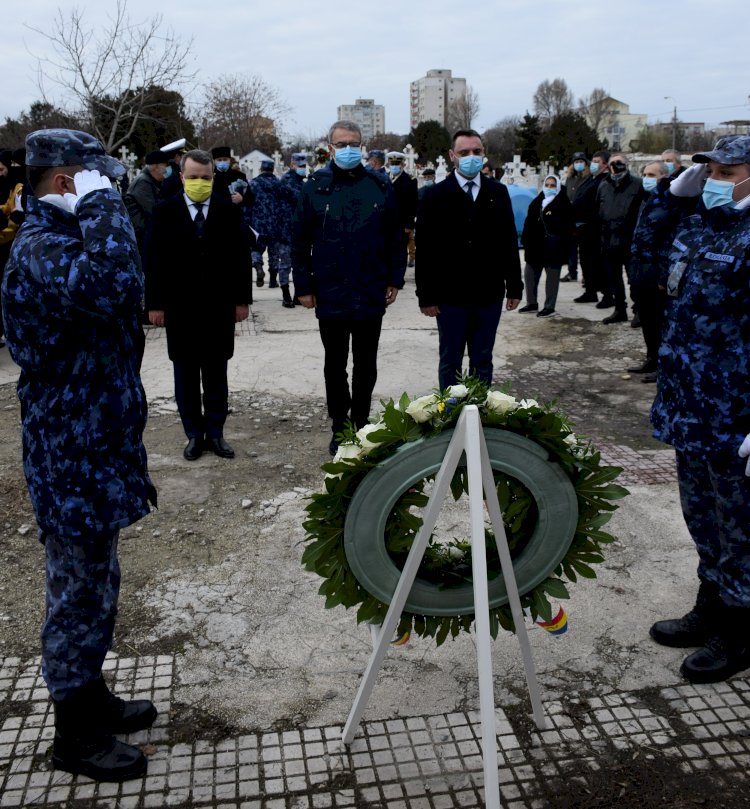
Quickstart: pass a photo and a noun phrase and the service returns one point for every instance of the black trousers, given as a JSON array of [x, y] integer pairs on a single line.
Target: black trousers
[[209, 419], [615, 261], [651, 302], [590, 256], [342, 402]]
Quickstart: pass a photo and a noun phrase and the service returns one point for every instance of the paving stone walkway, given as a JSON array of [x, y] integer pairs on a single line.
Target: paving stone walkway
[[421, 762]]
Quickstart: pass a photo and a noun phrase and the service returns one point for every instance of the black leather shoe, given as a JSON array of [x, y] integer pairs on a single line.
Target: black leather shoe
[[587, 297], [649, 378], [635, 323], [616, 317], [287, 304], [605, 303], [193, 450], [648, 367], [569, 277], [219, 447], [719, 659], [530, 307]]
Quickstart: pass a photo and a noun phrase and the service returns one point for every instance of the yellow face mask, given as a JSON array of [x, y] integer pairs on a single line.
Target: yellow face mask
[[198, 190]]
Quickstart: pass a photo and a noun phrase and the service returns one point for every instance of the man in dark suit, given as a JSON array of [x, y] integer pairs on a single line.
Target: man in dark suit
[[198, 285], [467, 260], [405, 189]]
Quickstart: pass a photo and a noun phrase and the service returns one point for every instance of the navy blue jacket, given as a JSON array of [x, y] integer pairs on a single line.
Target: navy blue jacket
[[703, 394], [347, 244], [71, 301]]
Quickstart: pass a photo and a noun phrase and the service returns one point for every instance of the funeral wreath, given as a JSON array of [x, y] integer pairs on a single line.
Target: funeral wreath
[[555, 495]]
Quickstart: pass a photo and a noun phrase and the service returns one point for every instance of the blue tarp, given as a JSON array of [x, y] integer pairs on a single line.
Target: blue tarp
[[520, 197]]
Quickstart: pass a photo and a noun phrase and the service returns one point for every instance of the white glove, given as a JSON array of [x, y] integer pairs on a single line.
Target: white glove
[[744, 452], [690, 182], [18, 203], [87, 181]]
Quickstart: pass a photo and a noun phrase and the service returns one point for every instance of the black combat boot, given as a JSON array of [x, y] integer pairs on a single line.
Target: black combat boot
[[81, 746], [697, 626], [287, 302], [116, 715], [725, 653], [272, 282]]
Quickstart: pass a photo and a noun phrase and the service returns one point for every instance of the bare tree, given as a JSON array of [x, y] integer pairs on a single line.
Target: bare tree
[[462, 111], [595, 108], [239, 111], [552, 99], [107, 75], [500, 139]]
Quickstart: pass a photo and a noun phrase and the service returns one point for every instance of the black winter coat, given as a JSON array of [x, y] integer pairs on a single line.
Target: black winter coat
[[617, 206], [547, 231], [405, 189], [467, 252], [198, 282], [347, 245]]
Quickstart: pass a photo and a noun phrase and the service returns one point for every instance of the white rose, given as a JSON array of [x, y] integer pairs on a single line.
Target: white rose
[[571, 440], [457, 391], [525, 404], [500, 402], [348, 451], [423, 408], [362, 434]]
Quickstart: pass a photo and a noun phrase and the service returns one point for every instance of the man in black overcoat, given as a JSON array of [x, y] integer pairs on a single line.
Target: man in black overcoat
[[467, 260], [198, 285]]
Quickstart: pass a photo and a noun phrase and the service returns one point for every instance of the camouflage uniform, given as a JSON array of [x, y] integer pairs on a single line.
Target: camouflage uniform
[[267, 217], [291, 189], [702, 405], [71, 300]]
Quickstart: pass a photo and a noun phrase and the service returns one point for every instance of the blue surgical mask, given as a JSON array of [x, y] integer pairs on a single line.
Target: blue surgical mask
[[579, 166], [670, 165], [649, 183], [394, 169], [549, 192], [222, 165], [717, 193], [347, 157], [470, 165], [168, 172], [594, 168], [428, 182], [301, 172]]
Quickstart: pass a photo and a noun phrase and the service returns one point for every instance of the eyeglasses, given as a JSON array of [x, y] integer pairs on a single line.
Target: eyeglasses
[[342, 145]]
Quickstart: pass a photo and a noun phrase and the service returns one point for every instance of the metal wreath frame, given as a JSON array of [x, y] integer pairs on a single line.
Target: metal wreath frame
[[509, 453]]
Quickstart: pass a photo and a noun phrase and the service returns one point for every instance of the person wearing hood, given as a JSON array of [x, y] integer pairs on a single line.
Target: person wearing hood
[[546, 241], [702, 405]]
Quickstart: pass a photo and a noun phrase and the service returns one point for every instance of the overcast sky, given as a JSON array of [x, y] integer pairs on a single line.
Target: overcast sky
[[322, 54]]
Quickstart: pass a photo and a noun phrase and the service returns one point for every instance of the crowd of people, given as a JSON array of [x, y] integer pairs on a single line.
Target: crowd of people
[[74, 298]]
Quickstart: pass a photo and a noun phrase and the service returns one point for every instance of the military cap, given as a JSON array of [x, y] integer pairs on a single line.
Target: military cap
[[396, 156], [221, 151], [379, 153], [267, 165], [428, 173], [174, 146], [300, 158], [6, 157], [579, 156], [157, 156], [70, 147], [730, 150]]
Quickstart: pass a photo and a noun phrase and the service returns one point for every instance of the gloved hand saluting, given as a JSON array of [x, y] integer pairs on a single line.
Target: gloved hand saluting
[[86, 181], [690, 182], [744, 452]]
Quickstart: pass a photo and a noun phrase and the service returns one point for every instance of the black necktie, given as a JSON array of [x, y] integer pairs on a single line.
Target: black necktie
[[200, 219], [469, 188]]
